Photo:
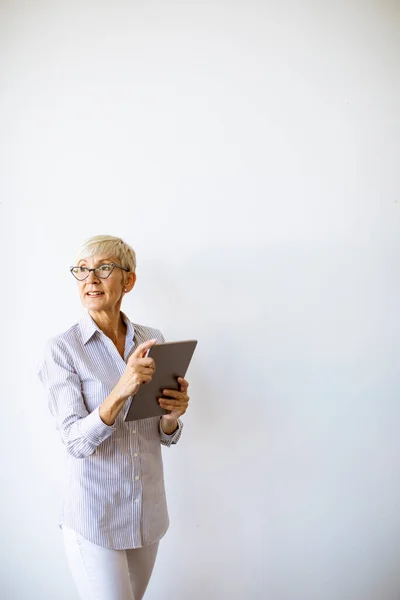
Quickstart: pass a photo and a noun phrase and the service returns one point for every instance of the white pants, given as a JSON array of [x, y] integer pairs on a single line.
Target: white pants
[[104, 574]]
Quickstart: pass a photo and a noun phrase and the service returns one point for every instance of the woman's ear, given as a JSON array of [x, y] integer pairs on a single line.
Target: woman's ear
[[129, 282]]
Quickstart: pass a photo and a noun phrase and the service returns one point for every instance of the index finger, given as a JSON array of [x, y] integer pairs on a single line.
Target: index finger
[[141, 350], [183, 383]]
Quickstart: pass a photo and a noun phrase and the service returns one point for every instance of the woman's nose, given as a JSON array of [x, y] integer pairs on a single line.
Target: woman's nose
[[92, 277]]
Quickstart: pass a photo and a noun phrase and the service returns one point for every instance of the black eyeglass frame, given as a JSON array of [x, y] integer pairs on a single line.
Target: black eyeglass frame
[[95, 269]]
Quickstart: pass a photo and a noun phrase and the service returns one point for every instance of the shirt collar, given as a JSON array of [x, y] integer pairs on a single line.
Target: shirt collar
[[88, 327]]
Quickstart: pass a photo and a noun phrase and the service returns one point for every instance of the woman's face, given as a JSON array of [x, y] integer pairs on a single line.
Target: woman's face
[[98, 294]]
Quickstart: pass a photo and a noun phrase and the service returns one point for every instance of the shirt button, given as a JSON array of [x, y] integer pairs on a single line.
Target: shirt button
[[135, 455], [134, 431], [137, 477], [137, 500]]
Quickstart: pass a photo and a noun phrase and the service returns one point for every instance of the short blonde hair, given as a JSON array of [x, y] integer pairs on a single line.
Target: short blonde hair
[[111, 246]]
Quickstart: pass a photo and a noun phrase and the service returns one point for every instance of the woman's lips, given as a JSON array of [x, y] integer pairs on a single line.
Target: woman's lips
[[94, 295]]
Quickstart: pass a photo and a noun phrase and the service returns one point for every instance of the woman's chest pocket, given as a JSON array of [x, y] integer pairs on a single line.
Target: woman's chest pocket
[[94, 392]]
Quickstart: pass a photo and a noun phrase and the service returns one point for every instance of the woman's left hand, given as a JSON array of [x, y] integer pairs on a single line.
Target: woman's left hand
[[178, 401]]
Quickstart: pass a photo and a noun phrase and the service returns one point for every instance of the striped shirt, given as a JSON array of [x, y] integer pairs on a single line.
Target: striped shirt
[[115, 493]]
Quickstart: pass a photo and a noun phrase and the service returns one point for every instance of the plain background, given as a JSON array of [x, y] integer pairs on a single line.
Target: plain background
[[249, 152]]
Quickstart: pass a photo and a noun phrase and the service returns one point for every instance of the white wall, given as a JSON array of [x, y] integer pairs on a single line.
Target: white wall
[[248, 152]]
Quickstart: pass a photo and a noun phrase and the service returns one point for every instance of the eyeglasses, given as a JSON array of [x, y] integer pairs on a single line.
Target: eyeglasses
[[102, 271]]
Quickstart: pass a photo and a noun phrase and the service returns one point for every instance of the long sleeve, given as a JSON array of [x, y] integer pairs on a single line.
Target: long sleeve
[[81, 432], [168, 440]]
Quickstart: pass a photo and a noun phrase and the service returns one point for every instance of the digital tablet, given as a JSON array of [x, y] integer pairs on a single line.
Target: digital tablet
[[172, 361]]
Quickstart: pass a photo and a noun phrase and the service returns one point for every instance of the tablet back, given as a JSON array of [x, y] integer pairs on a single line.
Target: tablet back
[[172, 361]]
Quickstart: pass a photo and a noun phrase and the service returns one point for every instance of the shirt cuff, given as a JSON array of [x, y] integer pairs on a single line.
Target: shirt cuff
[[94, 429], [172, 438]]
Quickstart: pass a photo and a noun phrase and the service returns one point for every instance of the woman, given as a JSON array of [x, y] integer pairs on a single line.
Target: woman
[[114, 511]]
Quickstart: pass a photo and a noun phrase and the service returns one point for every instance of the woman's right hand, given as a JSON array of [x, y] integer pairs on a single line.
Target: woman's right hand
[[139, 369]]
